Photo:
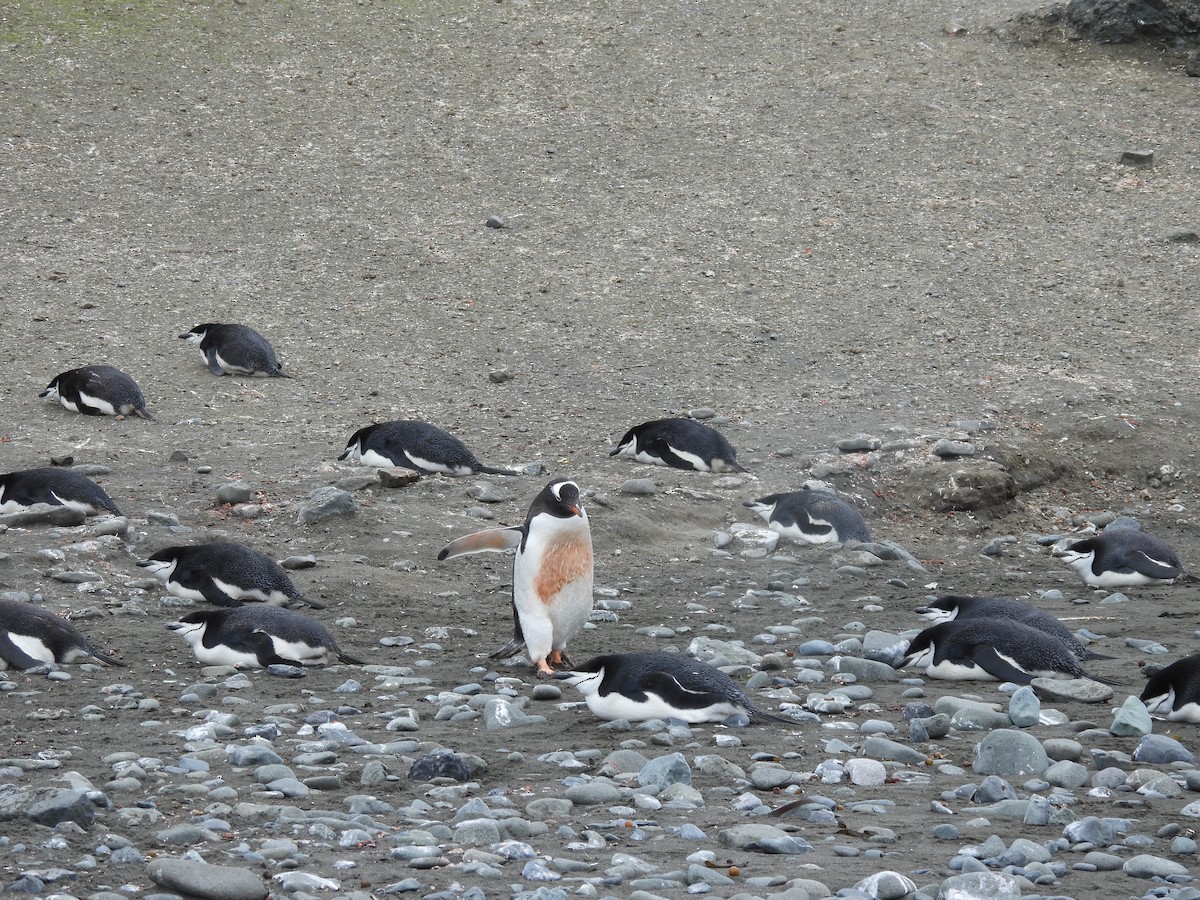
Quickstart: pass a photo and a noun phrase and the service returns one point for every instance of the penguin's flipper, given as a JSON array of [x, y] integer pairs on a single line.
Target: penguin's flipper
[[213, 365], [494, 540], [998, 666], [668, 687], [1142, 562], [14, 655], [216, 596]]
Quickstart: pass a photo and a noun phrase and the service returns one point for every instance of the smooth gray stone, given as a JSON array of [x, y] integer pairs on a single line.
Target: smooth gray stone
[[1147, 866], [209, 882], [886, 885], [501, 713], [184, 835], [664, 771], [593, 793], [49, 807], [1024, 707], [252, 755], [1009, 752], [1132, 719], [764, 839], [980, 886], [234, 492], [326, 503], [1082, 690], [1066, 774], [1160, 749], [638, 487], [862, 669], [876, 747], [993, 789]]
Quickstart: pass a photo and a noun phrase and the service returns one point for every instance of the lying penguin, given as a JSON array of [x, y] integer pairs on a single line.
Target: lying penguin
[[424, 448], [956, 607], [680, 444], [812, 517], [1000, 649], [254, 637], [1173, 692], [1122, 557], [235, 350], [641, 686], [98, 391], [31, 636], [224, 574], [56, 487]]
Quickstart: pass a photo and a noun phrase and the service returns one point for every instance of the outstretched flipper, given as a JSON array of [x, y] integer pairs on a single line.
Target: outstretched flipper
[[494, 540]]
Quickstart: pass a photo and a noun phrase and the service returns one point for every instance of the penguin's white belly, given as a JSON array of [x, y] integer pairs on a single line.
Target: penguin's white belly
[[552, 588], [799, 535], [617, 706]]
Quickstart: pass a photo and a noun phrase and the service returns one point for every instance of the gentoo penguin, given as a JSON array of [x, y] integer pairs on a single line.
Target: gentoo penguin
[[954, 607], [235, 350], [1122, 557], [641, 686], [1001, 649], [56, 486], [98, 391], [419, 446], [811, 517], [552, 573], [225, 575], [31, 636], [255, 637], [680, 444], [1173, 692]]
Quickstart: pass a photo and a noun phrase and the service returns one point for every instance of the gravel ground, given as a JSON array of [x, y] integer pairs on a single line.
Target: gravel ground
[[895, 224]]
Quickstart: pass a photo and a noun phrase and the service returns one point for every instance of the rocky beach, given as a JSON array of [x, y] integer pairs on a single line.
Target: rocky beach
[[905, 252]]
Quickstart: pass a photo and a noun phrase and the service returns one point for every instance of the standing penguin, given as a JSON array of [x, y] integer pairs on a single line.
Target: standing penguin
[[1173, 692], [552, 573], [1122, 557], [235, 350], [419, 446], [98, 391], [1000, 649], [55, 486], [224, 575], [680, 444], [641, 686], [31, 636], [956, 607], [254, 637], [812, 517]]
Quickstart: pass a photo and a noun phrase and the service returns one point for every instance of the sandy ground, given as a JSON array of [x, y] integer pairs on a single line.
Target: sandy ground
[[815, 224]]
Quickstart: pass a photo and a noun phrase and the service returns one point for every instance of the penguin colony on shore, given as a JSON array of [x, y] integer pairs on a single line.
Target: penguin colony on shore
[[248, 622]]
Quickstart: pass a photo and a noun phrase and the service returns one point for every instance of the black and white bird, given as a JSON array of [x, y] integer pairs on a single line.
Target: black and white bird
[[235, 350], [642, 686], [31, 636], [552, 573], [1122, 557], [956, 607], [1000, 649], [419, 446], [225, 575], [680, 444], [1173, 692], [254, 637], [98, 391], [812, 517], [55, 486]]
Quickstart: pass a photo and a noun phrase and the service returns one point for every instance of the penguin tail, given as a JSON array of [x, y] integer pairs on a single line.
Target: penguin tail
[[512, 648], [313, 604], [1188, 577], [735, 466], [759, 716], [105, 658], [278, 373], [143, 413], [495, 470], [1089, 655], [348, 659], [1107, 681]]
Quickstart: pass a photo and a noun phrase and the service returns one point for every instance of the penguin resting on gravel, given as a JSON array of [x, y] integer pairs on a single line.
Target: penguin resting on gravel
[[680, 444], [642, 686], [254, 637], [225, 575], [235, 350], [55, 486], [419, 446], [1122, 557], [955, 607], [1000, 649], [98, 391], [31, 636], [1173, 692], [812, 517], [552, 573]]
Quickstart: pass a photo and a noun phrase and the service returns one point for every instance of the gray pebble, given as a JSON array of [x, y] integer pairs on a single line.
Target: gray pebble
[[326, 503], [1160, 749], [1008, 752], [638, 487], [1132, 719], [210, 882]]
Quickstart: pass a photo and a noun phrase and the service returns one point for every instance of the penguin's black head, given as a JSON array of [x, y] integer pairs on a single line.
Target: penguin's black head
[[198, 332], [562, 499], [165, 555]]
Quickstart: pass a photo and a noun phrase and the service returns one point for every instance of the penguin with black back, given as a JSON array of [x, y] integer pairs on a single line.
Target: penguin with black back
[[230, 349], [55, 486], [812, 517], [255, 637], [957, 607], [680, 444], [224, 574], [419, 446], [31, 636], [98, 391]]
